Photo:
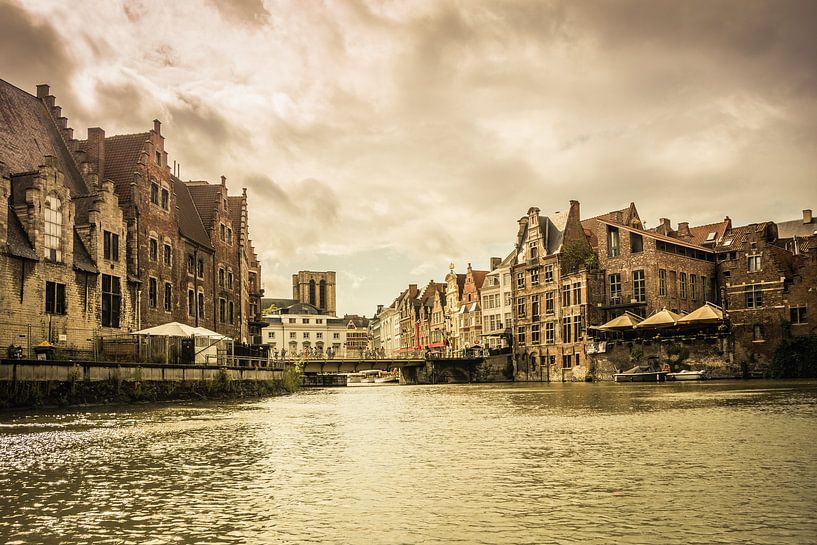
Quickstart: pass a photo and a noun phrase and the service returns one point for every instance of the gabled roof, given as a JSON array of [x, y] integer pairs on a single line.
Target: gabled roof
[[82, 259], [743, 236], [709, 234], [122, 154], [659, 236], [17, 243], [789, 229], [28, 133], [479, 278], [207, 199], [190, 225]]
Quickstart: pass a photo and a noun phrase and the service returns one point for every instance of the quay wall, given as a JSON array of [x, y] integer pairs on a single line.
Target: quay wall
[[33, 383]]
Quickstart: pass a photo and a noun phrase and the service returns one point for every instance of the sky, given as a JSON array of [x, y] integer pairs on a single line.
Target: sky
[[384, 140]]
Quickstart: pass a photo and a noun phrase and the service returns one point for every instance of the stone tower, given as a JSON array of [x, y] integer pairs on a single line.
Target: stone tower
[[315, 288]]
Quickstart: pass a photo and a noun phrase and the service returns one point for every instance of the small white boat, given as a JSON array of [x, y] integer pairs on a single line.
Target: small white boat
[[354, 378], [687, 375], [387, 377]]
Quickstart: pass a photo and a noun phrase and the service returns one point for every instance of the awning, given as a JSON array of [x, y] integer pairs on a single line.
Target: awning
[[707, 314], [177, 329], [628, 320], [662, 318], [436, 345]]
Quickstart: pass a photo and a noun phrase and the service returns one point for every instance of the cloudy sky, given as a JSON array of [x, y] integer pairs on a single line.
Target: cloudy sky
[[386, 139]]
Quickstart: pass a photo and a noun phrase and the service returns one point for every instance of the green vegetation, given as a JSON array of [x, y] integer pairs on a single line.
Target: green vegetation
[[576, 256], [636, 354], [292, 377], [795, 358]]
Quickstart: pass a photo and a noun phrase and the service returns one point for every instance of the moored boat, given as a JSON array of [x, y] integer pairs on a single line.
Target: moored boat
[[641, 373], [687, 375]]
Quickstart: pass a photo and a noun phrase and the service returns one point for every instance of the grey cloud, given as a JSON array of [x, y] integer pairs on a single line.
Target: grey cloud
[[32, 52]]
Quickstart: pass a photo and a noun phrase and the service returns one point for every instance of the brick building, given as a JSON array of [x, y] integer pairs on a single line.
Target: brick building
[[100, 236], [469, 316]]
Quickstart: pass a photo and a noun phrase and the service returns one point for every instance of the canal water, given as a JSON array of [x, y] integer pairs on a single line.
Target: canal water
[[715, 462]]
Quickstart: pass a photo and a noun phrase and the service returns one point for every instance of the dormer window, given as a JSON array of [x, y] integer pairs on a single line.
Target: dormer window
[[533, 250], [53, 228]]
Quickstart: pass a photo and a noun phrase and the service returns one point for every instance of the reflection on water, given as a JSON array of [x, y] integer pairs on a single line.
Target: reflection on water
[[717, 462]]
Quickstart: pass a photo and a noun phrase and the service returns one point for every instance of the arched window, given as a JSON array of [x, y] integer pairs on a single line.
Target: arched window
[[312, 292], [322, 292], [53, 228]]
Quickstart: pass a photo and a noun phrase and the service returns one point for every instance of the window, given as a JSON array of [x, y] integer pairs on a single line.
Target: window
[[754, 297], [306, 334], [168, 296], [54, 298], [682, 285], [292, 320], [159, 158], [550, 333], [757, 331], [534, 334], [520, 334], [577, 294], [566, 329], [270, 334], [533, 250], [293, 335], [520, 280], [319, 335], [154, 249], [615, 288], [229, 236], [152, 292], [550, 299], [534, 307], [222, 232], [168, 252], [639, 287], [520, 307], [165, 199], [201, 305], [567, 361], [798, 315], [306, 320], [754, 263], [191, 303], [191, 264], [154, 192], [53, 228], [320, 320], [111, 301], [548, 274], [110, 246], [534, 277], [693, 287], [232, 312], [566, 295], [222, 310], [613, 249], [336, 335], [221, 277], [576, 358], [662, 282], [200, 269], [229, 280], [577, 328], [636, 243]]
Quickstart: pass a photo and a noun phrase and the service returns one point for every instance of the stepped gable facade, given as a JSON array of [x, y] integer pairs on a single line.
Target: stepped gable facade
[[97, 234]]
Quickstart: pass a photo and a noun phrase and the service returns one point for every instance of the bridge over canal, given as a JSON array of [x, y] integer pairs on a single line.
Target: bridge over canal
[[416, 370]]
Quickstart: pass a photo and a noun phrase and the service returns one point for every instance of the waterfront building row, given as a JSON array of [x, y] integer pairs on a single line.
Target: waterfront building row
[[101, 237], [566, 276]]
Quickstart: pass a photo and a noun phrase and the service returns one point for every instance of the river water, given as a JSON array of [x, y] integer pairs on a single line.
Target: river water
[[715, 462]]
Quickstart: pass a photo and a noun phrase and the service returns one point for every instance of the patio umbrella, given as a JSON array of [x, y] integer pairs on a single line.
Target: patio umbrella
[[626, 321], [662, 318], [170, 329], [707, 314]]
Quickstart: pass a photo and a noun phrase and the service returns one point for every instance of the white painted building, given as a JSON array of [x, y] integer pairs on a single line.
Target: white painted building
[[497, 304], [303, 330], [390, 331]]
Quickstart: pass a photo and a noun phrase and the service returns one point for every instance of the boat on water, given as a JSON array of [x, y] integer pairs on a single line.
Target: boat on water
[[641, 373], [373, 376], [354, 378], [386, 377], [687, 375]]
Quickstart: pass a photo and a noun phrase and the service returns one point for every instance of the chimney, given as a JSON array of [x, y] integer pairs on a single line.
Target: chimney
[[728, 221], [683, 229], [96, 150], [495, 261], [807, 217], [43, 90], [157, 127], [665, 227], [223, 180]]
